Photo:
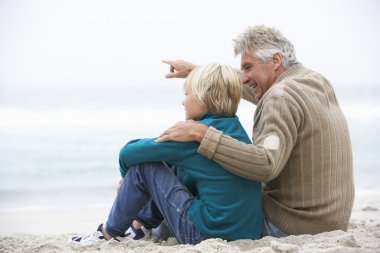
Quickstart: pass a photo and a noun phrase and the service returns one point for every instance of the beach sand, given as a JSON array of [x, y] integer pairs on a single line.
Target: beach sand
[[48, 231]]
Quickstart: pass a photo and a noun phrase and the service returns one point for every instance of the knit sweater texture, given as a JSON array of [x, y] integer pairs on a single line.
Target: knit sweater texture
[[301, 151], [224, 205]]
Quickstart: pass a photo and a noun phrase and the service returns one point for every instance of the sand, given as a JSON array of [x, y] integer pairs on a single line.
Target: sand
[[363, 236]]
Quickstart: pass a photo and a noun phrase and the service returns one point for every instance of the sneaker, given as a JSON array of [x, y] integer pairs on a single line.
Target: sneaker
[[92, 238], [137, 233]]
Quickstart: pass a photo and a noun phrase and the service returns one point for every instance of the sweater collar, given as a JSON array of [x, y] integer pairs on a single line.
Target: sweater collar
[[295, 69]]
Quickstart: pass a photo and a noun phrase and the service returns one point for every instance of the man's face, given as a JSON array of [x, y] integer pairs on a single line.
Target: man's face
[[260, 75]]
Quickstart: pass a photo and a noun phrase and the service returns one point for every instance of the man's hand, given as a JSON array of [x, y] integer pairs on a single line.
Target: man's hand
[[179, 68], [184, 131]]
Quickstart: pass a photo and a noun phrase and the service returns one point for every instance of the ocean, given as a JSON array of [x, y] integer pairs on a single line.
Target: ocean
[[59, 145]]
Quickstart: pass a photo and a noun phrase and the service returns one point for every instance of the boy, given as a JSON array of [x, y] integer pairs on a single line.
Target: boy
[[202, 200]]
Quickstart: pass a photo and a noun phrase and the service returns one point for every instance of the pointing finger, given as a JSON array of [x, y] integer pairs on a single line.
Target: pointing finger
[[168, 62]]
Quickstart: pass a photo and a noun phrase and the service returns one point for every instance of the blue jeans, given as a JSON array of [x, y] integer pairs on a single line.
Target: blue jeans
[[155, 182], [151, 217]]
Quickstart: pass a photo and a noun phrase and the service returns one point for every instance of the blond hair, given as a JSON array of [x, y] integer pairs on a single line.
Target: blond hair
[[217, 87], [264, 42]]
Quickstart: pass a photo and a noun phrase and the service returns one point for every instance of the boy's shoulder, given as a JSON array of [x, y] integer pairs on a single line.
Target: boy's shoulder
[[217, 119], [229, 125]]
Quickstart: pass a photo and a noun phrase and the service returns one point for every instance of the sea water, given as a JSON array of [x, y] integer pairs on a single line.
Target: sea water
[[59, 146]]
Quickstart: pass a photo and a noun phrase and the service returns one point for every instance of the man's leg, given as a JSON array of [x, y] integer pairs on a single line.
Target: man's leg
[[157, 181]]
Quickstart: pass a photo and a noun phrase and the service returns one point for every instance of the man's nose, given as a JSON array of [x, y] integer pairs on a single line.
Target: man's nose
[[244, 78]]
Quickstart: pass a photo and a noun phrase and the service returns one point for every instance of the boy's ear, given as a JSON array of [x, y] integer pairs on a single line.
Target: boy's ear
[[277, 60]]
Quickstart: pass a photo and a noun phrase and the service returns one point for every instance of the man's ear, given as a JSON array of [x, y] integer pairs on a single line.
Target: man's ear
[[277, 60]]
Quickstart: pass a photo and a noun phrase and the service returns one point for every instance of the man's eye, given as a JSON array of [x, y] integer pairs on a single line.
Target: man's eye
[[245, 68]]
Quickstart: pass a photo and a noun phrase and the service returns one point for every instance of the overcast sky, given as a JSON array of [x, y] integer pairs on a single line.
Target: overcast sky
[[92, 42], [54, 52]]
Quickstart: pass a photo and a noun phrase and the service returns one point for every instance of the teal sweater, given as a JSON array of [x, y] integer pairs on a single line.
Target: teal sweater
[[224, 205]]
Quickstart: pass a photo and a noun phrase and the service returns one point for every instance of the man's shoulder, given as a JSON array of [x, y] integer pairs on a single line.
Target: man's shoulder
[[297, 82], [302, 77]]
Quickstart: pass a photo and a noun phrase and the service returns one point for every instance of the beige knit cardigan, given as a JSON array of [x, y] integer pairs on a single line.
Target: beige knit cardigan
[[301, 151]]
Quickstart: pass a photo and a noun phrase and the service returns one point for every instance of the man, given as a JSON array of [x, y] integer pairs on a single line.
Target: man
[[302, 149]]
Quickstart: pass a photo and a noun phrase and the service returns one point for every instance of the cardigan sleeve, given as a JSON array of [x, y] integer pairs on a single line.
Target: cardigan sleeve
[[275, 133]]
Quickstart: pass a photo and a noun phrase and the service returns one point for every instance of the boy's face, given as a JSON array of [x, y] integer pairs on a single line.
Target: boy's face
[[193, 109]]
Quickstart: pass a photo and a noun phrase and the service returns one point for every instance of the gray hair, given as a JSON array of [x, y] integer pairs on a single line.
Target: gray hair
[[264, 42]]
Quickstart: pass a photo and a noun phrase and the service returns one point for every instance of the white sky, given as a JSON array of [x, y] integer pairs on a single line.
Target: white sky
[[91, 42]]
